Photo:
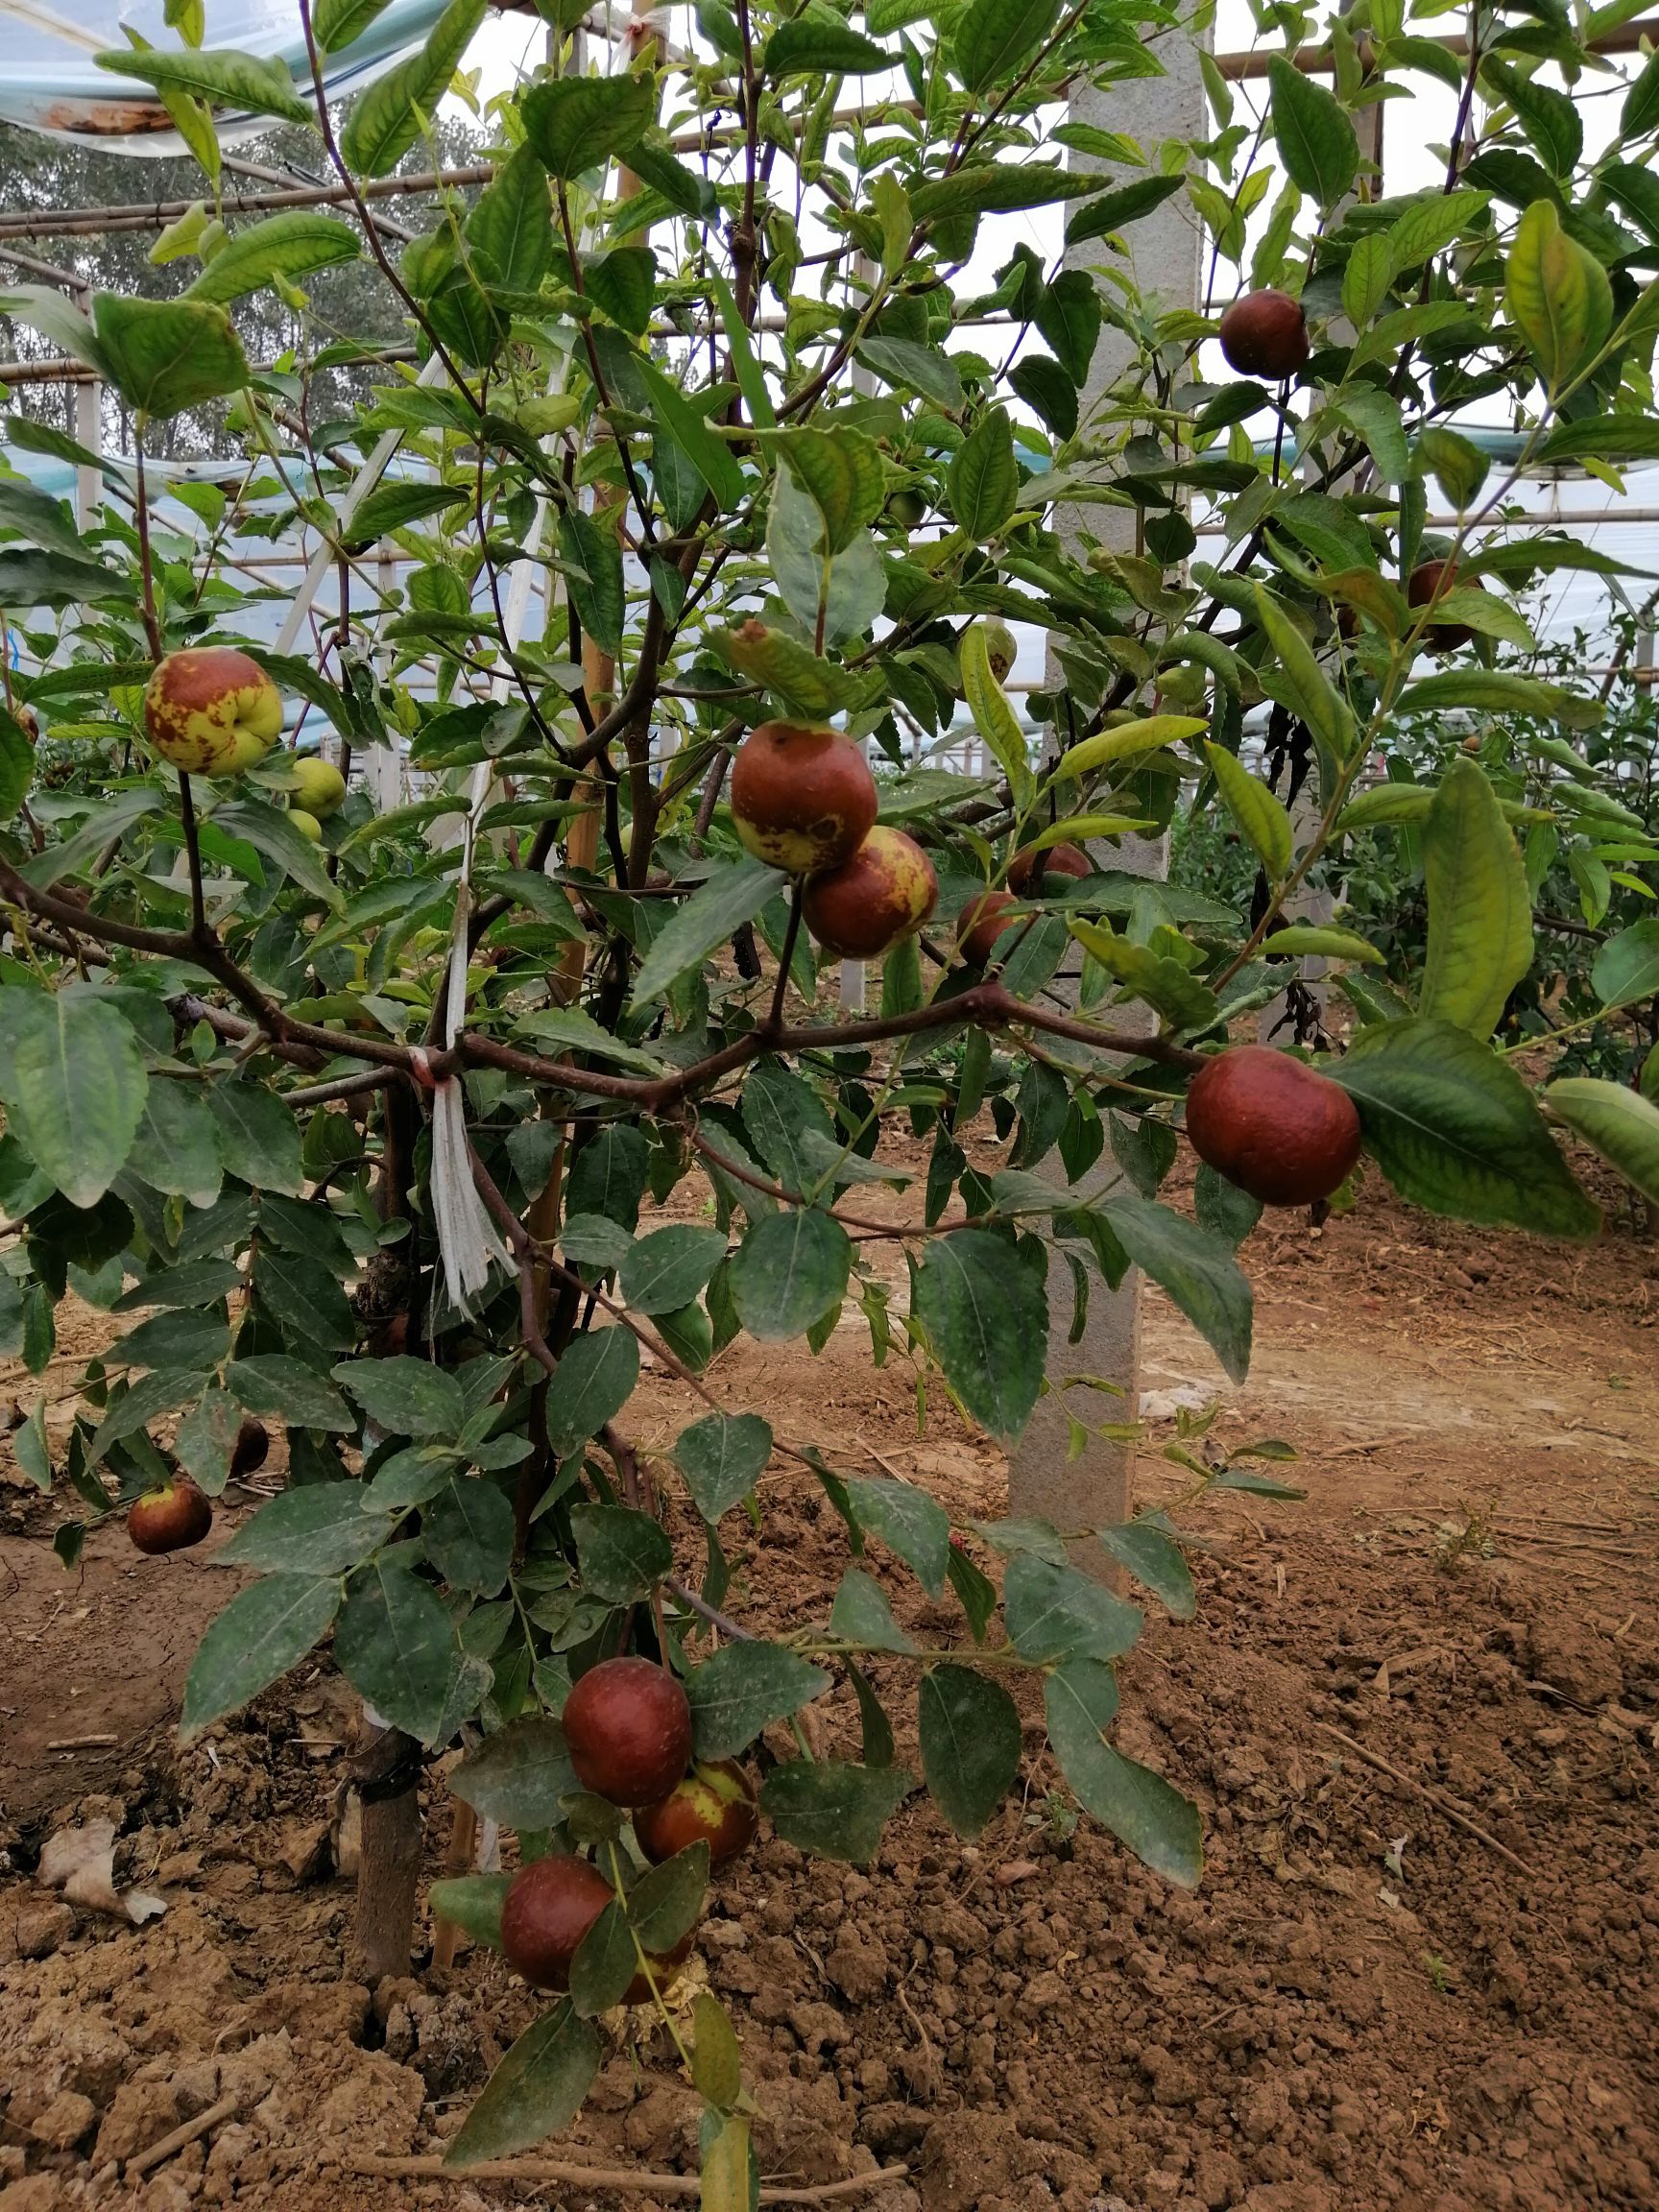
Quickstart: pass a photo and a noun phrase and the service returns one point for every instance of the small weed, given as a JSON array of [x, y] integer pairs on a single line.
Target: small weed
[[1056, 1815], [1435, 1966], [1456, 1543]]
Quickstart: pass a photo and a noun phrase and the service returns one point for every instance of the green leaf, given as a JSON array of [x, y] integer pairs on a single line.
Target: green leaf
[[604, 1963], [1480, 907], [862, 1616], [818, 43], [271, 1386], [1626, 967], [995, 38], [258, 1138], [510, 232], [535, 2092], [971, 1744], [48, 523], [272, 833], [789, 1271], [594, 1381], [1309, 690], [1460, 468], [1619, 1124], [1068, 317], [593, 576], [840, 469], [924, 368], [666, 1269], [468, 1535], [624, 1553], [730, 2180], [73, 1079], [317, 1530], [664, 1903], [1057, 1612], [1366, 279], [246, 83], [1260, 816], [1638, 116], [741, 1688], [1315, 137], [1550, 120], [518, 1775], [831, 1808], [1156, 1562], [722, 1458], [28, 579], [1196, 1270], [473, 1903], [1603, 437], [263, 1631], [405, 1397], [391, 507], [1457, 1131], [984, 479], [908, 1521], [177, 1147], [987, 1322], [716, 2056], [339, 24], [733, 895], [383, 122], [688, 427], [166, 355], [1127, 203], [1501, 691], [994, 715], [1299, 939], [1141, 1809], [1557, 296], [393, 1643], [290, 246]]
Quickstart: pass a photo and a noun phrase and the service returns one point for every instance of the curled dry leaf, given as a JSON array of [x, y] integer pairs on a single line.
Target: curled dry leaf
[[80, 1862]]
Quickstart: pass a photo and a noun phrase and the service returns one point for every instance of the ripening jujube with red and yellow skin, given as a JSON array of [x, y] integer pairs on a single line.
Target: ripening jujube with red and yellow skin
[[1265, 334], [1429, 581], [874, 901], [211, 711], [1028, 867], [714, 1804], [984, 920], [1273, 1125], [551, 1906], [170, 1518], [803, 796], [628, 1727]]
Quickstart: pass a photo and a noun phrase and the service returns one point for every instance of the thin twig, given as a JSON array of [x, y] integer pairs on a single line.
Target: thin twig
[[1437, 1797], [571, 2175], [159, 2152]]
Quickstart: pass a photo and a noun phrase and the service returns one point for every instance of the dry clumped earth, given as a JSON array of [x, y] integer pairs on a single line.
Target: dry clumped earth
[[1366, 2005]]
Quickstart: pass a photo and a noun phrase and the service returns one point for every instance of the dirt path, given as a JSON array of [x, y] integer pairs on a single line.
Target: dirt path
[[1365, 2004]]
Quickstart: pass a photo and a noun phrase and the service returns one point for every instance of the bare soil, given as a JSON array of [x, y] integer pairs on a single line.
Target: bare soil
[[1366, 2004]]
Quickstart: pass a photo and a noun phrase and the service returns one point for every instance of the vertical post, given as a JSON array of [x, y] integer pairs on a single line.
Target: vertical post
[[864, 382], [88, 432], [1094, 1489]]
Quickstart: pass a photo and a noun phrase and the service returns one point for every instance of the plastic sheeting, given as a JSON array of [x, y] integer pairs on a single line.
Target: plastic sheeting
[[52, 83]]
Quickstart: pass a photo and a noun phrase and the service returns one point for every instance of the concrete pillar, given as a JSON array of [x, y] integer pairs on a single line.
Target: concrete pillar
[[1096, 1488]]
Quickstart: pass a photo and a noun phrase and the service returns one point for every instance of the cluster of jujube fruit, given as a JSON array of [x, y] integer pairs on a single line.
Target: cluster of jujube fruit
[[628, 1730]]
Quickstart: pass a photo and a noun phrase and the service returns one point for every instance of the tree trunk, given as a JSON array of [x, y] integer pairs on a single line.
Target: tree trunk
[[387, 1774]]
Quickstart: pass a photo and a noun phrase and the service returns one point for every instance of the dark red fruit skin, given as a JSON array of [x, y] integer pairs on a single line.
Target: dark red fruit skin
[[695, 1811], [982, 923], [628, 1726], [1276, 1127], [1428, 578], [170, 1518], [882, 895], [1028, 867], [1265, 334], [249, 1451], [549, 1907], [802, 798]]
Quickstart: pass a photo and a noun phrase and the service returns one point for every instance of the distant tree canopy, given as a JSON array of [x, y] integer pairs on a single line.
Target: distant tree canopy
[[352, 301]]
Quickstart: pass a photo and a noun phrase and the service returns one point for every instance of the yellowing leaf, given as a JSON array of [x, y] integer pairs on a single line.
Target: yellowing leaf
[[1127, 742], [994, 716]]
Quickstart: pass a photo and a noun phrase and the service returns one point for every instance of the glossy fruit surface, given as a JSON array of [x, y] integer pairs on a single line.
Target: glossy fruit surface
[[548, 1909], [984, 920], [1275, 1126], [803, 796], [714, 1804], [1028, 867], [248, 1452], [628, 1726], [319, 786], [212, 710], [307, 825], [170, 1517], [1430, 580], [884, 893], [1265, 334]]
